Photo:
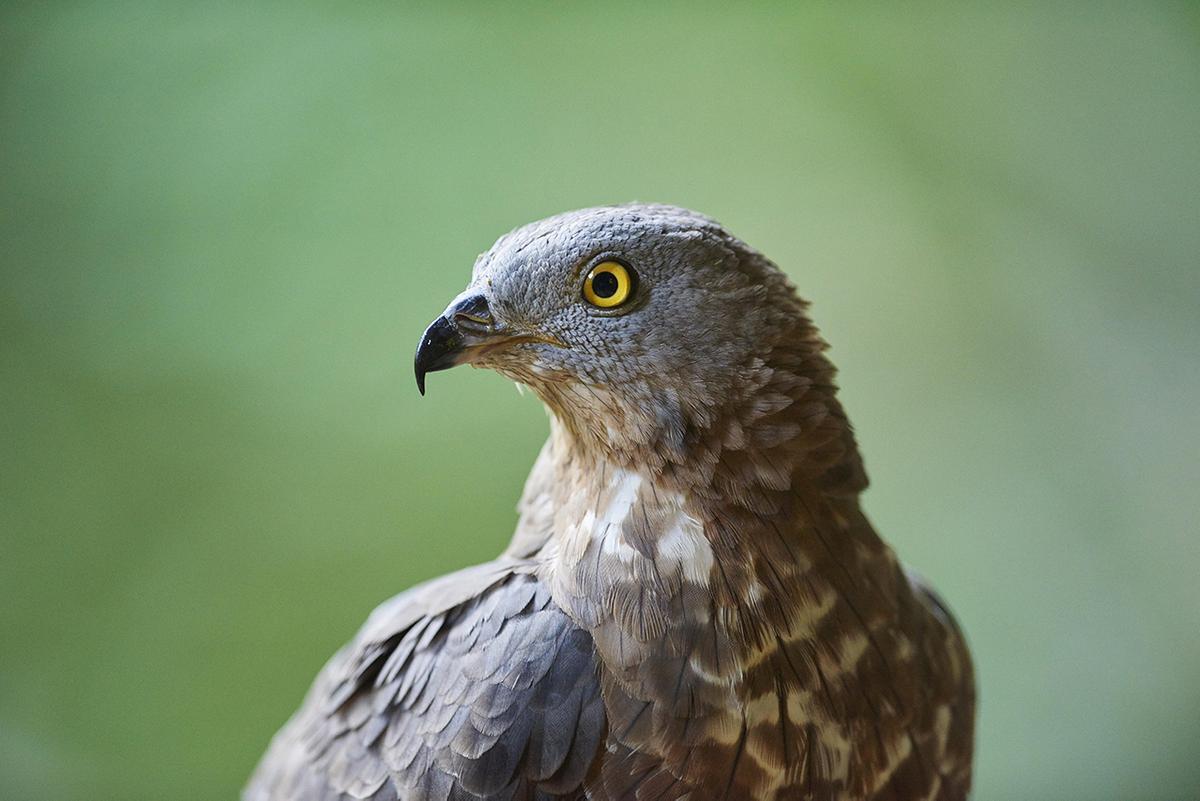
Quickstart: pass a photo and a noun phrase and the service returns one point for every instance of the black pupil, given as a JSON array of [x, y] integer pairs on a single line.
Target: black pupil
[[605, 284]]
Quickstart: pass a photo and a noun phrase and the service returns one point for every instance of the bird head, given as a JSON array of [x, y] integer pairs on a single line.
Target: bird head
[[638, 325]]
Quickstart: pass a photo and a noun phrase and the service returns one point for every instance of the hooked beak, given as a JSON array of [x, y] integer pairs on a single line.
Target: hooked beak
[[464, 328]]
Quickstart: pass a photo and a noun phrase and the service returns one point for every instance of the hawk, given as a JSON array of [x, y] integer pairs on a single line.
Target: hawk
[[693, 604]]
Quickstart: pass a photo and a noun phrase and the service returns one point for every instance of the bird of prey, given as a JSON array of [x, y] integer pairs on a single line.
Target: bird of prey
[[693, 604]]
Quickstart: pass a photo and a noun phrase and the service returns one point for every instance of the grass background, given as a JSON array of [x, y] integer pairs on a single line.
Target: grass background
[[223, 227]]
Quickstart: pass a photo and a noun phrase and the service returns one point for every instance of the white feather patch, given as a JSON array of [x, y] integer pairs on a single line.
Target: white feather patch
[[685, 545]]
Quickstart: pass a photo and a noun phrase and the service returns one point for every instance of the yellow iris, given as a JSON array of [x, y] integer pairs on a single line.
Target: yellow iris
[[609, 284]]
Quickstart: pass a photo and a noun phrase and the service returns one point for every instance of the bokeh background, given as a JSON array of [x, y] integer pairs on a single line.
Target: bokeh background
[[224, 226]]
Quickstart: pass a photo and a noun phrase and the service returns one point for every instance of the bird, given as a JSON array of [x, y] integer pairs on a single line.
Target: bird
[[693, 604]]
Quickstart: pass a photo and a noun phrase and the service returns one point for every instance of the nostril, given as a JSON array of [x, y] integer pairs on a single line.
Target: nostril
[[475, 318]]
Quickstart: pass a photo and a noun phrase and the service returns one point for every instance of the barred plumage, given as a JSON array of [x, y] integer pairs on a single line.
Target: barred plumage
[[694, 605]]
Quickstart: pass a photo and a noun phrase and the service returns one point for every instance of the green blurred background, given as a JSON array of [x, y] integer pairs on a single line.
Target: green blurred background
[[223, 227]]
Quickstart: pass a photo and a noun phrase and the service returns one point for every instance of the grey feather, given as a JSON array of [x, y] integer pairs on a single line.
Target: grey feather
[[470, 687]]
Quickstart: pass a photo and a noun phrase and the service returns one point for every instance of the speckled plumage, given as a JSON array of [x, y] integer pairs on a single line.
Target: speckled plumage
[[693, 605]]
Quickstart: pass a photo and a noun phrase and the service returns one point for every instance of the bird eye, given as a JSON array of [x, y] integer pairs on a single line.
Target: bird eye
[[608, 285]]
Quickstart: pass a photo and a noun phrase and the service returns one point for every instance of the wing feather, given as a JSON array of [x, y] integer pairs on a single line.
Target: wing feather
[[473, 686]]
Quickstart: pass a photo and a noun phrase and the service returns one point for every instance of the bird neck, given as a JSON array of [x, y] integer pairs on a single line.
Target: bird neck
[[778, 428], [759, 508]]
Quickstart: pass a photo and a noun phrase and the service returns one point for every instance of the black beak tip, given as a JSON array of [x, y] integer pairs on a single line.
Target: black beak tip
[[421, 365], [440, 347]]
